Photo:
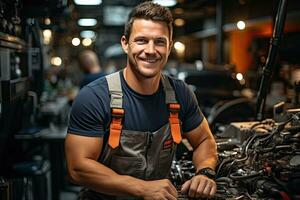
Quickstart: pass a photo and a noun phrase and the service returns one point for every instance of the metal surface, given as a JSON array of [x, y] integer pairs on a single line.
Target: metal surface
[[12, 42]]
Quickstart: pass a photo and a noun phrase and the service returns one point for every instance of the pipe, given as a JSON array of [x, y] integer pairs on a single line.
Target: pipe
[[267, 71]]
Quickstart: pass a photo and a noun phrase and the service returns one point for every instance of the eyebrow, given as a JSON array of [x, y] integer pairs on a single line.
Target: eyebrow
[[145, 37], [139, 37], [161, 38]]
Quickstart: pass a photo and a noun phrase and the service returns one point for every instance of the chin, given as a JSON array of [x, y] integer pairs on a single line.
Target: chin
[[145, 71], [148, 73]]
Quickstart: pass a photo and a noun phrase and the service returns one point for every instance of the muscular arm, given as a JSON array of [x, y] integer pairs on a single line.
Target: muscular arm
[[82, 154], [204, 155], [204, 145]]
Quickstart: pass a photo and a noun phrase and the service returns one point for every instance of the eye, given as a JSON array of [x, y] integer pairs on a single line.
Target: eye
[[141, 41], [160, 42]]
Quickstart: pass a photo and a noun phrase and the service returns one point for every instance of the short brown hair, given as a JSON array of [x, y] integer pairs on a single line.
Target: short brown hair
[[150, 11]]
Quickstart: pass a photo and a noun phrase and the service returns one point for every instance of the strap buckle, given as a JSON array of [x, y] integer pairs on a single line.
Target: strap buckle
[[117, 112], [174, 107]]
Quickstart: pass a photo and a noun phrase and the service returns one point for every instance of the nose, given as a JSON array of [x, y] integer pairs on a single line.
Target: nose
[[150, 48]]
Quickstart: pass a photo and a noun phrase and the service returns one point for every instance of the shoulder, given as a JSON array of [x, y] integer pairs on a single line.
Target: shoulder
[[178, 85], [190, 113], [99, 87], [93, 93], [90, 110], [184, 95]]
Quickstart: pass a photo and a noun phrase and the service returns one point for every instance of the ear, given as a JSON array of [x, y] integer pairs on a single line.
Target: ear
[[124, 44]]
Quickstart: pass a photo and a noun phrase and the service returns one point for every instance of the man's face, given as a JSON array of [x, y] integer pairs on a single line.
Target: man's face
[[148, 47]]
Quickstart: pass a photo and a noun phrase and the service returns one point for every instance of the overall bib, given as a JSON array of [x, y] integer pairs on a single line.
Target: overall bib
[[143, 155]]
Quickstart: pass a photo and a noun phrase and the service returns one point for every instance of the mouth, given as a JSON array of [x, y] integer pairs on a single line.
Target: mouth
[[149, 60]]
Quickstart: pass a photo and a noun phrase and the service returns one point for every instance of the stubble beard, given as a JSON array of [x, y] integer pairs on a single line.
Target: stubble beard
[[138, 72]]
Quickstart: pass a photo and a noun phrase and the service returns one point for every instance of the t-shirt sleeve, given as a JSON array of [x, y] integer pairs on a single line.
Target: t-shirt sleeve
[[87, 114], [190, 114]]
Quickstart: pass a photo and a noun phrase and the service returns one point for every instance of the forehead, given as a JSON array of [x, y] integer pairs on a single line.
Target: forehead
[[149, 28]]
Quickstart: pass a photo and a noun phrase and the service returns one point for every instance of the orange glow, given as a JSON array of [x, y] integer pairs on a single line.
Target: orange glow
[[240, 42], [240, 55]]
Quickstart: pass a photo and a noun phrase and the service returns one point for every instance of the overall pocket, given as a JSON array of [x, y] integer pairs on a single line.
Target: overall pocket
[[131, 166], [165, 162]]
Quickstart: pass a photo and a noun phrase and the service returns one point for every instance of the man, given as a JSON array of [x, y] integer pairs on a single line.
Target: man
[[89, 65], [124, 128]]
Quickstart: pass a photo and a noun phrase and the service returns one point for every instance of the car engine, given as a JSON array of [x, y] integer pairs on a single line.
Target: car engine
[[257, 160]]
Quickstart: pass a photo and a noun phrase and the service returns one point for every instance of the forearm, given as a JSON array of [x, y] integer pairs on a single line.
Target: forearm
[[101, 179], [205, 154], [82, 154]]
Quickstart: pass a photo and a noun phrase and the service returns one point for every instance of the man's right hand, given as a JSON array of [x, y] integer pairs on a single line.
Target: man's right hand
[[159, 189]]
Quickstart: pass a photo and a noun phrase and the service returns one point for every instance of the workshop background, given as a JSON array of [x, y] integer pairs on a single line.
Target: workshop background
[[240, 57]]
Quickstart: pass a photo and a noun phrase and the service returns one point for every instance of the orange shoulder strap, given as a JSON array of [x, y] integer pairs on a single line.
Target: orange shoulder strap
[[115, 127], [174, 122]]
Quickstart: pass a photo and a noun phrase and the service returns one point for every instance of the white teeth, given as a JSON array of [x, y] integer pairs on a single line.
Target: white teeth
[[150, 60]]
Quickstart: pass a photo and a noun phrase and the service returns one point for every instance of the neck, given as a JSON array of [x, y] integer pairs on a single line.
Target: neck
[[146, 86]]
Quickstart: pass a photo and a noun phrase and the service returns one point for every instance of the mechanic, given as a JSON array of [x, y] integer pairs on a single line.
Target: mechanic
[[124, 128]]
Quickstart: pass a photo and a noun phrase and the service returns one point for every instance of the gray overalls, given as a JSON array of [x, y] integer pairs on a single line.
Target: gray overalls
[[144, 155]]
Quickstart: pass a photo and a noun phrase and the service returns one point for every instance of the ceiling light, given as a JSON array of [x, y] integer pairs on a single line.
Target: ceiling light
[[86, 42], [76, 41], [178, 11], [47, 33], [242, 82], [179, 22], [179, 47], [241, 25], [88, 2], [47, 21], [239, 76], [56, 61], [87, 22], [88, 34], [167, 3]]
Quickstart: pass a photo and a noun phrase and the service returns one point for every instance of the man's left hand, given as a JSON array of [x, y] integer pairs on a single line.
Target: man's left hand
[[200, 186]]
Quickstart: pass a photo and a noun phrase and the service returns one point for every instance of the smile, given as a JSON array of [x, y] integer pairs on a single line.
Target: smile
[[149, 60]]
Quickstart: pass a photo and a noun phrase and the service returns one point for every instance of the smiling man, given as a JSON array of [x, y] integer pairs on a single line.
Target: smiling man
[[124, 128]]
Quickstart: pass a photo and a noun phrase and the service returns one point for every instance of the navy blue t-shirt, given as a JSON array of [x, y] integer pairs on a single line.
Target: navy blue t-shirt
[[91, 113]]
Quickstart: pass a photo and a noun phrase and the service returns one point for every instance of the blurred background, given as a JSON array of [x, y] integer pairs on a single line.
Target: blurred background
[[220, 49]]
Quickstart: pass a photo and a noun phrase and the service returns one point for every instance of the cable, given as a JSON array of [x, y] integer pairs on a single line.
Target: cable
[[241, 177]]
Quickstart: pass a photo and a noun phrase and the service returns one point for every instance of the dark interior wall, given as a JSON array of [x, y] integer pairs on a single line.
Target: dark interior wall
[[10, 123], [289, 51], [253, 9]]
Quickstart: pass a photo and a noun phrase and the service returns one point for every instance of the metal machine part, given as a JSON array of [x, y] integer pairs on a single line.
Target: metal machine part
[[264, 164], [267, 164], [10, 20]]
